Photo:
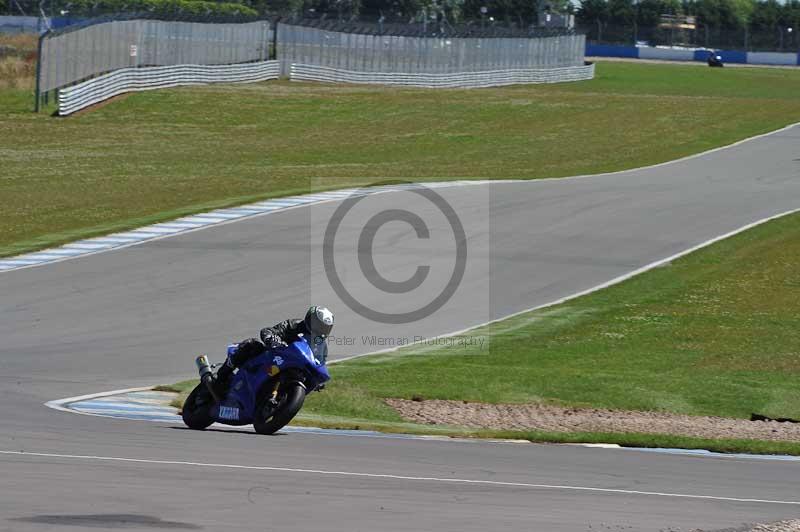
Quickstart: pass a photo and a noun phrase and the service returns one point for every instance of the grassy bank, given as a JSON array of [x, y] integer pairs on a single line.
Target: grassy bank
[[157, 155], [714, 333], [18, 61]]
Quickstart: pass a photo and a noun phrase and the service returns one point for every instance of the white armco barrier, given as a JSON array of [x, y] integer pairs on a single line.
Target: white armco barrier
[[771, 58], [493, 78], [668, 54], [107, 86]]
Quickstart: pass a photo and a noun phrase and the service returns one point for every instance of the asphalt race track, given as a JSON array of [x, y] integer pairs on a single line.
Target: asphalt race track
[[137, 316]]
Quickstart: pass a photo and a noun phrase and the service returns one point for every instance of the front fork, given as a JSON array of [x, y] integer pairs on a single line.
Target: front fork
[[273, 396], [285, 378]]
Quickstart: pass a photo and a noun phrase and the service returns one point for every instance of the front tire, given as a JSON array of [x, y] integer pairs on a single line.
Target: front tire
[[269, 420], [196, 410]]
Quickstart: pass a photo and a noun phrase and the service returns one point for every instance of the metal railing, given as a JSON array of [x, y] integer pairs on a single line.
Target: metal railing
[[459, 80], [101, 88]]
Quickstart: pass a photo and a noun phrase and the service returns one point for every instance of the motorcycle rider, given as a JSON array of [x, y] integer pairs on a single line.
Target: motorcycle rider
[[315, 328]]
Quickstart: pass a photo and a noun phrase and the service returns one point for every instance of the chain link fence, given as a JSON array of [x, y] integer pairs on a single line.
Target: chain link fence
[[77, 54], [436, 28], [366, 52]]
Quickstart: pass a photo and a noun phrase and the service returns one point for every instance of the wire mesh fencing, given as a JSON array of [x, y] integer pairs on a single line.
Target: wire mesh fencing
[[74, 55], [80, 53], [409, 54]]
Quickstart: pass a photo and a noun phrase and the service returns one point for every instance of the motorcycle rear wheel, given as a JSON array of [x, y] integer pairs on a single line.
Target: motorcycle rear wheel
[[196, 412], [269, 420]]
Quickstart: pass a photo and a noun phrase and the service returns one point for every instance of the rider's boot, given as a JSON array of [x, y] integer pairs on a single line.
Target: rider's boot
[[222, 380]]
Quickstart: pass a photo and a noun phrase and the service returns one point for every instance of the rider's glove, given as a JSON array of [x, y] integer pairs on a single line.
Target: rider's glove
[[271, 341], [277, 343]]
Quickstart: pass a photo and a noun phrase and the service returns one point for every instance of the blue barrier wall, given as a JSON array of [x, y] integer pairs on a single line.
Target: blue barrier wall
[[611, 50], [733, 56], [677, 54], [14, 24], [36, 24]]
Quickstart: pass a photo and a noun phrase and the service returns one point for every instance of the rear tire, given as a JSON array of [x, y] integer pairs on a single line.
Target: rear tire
[[196, 411], [268, 420]]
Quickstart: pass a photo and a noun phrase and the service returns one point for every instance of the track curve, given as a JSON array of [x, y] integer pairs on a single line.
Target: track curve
[[135, 316]]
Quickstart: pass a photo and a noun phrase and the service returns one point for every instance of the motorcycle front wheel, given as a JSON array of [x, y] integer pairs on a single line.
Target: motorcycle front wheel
[[271, 418], [196, 412]]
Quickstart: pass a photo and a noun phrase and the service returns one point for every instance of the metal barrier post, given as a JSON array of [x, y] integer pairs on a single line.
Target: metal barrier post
[[39, 71]]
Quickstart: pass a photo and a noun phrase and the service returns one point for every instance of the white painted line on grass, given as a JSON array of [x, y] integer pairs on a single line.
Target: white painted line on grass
[[43, 256], [222, 216], [205, 220], [21, 261], [85, 245], [243, 211], [142, 234], [67, 253], [179, 225], [161, 230], [112, 241], [386, 476]]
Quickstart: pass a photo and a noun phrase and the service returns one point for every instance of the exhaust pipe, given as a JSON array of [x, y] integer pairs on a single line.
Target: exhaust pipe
[[206, 375]]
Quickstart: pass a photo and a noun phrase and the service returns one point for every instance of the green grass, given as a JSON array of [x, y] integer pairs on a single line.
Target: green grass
[[714, 333], [158, 155]]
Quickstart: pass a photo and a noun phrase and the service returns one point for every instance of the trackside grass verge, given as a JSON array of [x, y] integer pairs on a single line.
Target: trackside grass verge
[[714, 333], [18, 61], [157, 155]]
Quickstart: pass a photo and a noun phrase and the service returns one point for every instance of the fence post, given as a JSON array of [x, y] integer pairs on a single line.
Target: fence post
[[39, 71], [262, 54], [273, 54]]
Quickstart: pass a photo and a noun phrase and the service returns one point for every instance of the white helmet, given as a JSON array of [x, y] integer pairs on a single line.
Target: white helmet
[[318, 321]]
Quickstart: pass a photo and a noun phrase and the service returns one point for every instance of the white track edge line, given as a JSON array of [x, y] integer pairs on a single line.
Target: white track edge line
[[606, 284], [455, 182], [60, 404], [403, 477]]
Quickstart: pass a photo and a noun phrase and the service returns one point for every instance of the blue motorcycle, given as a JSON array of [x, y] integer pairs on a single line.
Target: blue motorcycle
[[267, 391], [714, 59]]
